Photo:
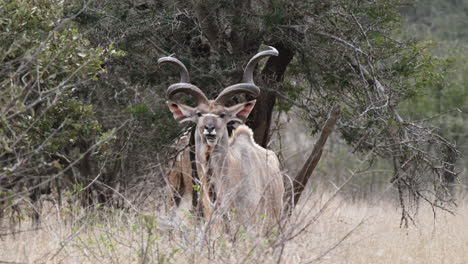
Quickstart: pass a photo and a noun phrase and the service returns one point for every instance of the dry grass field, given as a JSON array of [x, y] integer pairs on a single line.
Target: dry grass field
[[324, 229]]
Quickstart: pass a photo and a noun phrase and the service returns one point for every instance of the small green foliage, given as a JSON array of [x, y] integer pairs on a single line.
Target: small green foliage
[[76, 188], [140, 111], [275, 231], [275, 17], [149, 221], [65, 124], [293, 92]]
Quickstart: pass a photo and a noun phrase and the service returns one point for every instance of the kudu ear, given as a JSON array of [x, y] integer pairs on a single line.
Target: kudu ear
[[181, 112], [240, 112]]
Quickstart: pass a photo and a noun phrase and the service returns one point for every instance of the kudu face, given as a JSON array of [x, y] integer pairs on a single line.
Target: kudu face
[[212, 116]]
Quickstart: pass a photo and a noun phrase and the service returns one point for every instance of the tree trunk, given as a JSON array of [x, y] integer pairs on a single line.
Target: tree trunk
[[273, 74]]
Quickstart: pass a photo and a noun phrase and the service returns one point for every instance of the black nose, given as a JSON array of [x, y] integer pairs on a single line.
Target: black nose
[[209, 127]]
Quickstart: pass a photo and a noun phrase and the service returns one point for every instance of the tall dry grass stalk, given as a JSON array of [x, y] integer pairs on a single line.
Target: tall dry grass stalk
[[324, 229]]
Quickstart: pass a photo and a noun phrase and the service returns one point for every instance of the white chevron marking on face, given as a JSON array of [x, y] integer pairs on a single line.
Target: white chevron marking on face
[[209, 115]]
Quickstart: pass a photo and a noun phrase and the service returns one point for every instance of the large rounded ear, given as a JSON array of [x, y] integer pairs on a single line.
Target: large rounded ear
[[240, 112], [181, 112]]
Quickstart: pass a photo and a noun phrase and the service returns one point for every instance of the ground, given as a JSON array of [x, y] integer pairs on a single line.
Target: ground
[[324, 229]]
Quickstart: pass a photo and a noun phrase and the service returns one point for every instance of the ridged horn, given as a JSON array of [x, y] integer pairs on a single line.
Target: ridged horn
[[247, 85], [249, 69], [184, 85], [184, 74]]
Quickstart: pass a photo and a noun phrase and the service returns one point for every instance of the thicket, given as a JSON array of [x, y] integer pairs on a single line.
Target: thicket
[[82, 100]]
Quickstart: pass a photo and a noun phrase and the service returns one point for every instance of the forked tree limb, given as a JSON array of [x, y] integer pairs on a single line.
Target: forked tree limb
[[294, 191]]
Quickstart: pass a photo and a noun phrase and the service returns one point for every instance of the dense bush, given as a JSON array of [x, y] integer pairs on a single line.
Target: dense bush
[[83, 102], [44, 129]]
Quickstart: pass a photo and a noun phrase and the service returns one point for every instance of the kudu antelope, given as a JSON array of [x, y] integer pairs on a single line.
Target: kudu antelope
[[239, 178]]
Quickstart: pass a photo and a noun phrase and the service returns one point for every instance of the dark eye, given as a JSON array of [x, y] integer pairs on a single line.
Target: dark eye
[[222, 115], [199, 114]]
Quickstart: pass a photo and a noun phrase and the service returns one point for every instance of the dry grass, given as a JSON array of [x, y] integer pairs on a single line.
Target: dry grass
[[342, 233]]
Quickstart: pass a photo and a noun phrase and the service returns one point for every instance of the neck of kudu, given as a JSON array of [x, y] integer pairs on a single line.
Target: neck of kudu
[[211, 160]]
